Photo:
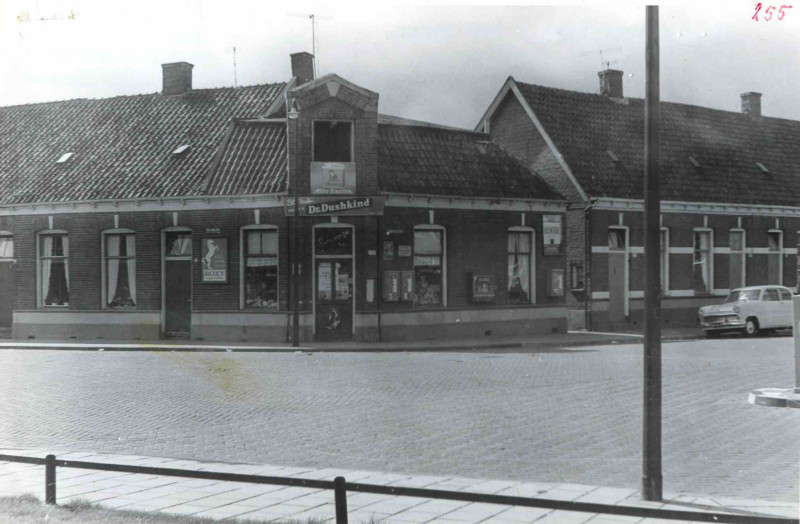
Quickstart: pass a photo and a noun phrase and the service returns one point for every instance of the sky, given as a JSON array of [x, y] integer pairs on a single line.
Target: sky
[[437, 62]]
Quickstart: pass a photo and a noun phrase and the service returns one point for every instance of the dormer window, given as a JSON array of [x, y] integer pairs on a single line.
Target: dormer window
[[63, 158], [333, 141], [182, 149]]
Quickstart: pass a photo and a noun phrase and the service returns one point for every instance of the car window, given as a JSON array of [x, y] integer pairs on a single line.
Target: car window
[[771, 295], [742, 295], [785, 295]]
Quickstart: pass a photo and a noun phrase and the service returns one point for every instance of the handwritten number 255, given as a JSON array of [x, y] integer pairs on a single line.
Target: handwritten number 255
[[768, 12]]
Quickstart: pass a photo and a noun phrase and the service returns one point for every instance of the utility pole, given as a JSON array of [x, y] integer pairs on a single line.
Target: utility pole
[[292, 115], [651, 456]]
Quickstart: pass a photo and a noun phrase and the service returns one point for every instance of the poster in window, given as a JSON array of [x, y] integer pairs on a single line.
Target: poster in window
[[551, 234], [555, 284], [404, 250], [388, 250], [214, 260], [324, 280]]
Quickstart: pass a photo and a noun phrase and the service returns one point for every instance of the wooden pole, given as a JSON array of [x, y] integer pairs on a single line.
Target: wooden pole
[[651, 456]]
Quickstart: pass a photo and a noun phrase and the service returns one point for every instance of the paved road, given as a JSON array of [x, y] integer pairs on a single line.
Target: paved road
[[569, 416]]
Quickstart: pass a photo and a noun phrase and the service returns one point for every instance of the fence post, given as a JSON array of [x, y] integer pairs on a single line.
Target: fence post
[[50, 479], [340, 498]]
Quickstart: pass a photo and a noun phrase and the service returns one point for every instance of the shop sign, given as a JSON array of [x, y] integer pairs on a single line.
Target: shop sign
[[214, 260], [551, 234], [320, 206], [333, 178], [404, 250]]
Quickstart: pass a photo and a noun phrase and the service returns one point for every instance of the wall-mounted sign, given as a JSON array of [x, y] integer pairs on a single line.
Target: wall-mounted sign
[[551, 234], [320, 206], [482, 288], [333, 178], [213, 230], [388, 250], [555, 284], [394, 231], [404, 250], [214, 260]]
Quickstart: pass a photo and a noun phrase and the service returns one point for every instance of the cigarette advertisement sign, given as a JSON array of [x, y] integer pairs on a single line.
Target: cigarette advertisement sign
[[551, 234], [319, 206], [333, 178], [214, 260]]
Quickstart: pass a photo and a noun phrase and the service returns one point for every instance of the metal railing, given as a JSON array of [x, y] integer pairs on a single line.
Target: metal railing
[[340, 488]]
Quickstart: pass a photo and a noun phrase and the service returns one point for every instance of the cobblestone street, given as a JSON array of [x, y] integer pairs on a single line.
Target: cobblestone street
[[562, 416]]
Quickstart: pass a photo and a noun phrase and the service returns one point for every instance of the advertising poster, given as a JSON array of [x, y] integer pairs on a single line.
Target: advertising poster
[[551, 234], [214, 260]]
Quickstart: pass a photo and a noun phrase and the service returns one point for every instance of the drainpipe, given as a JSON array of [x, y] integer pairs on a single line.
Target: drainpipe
[[587, 255]]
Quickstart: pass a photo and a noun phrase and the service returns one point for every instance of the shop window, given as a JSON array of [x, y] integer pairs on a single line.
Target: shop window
[[703, 262], [54, 269], [6, 246], [736, 243], [120, 270], [429, 274], [775, 257], [333, 141], [519, 266], [664, 251], [260, 268], [577, 280]]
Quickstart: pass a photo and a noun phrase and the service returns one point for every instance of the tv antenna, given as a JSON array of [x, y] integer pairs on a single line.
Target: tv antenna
[[235, 80], [314, 42], [604, 64]]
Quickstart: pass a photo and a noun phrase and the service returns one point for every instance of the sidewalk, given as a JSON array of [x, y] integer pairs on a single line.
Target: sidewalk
[[532, 343], [230, 500]]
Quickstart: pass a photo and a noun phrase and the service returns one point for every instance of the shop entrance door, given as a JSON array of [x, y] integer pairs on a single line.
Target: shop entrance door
[[617, 275], [178, 285], [333, 283]]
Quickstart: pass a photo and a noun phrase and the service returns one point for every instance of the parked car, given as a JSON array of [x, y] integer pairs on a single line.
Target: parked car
[[750, 310]]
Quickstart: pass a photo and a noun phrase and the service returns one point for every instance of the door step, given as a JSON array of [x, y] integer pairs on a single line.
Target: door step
[[177, 336]]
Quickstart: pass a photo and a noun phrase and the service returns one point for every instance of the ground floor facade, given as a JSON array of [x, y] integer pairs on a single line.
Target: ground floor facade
[[388, 267], [706, 251]]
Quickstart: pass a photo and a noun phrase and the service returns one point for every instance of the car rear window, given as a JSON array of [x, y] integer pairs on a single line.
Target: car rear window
[[785, 295], [771, 295]]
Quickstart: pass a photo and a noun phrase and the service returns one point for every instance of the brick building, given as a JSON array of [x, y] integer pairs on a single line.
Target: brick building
[[730, 189], [171, 214]]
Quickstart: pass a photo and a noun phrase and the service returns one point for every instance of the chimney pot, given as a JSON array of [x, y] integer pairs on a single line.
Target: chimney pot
[[302, 67], [751, 104], [611, 83], [177, 78]]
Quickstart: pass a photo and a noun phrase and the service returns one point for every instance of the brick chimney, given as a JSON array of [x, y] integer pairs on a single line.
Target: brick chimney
[[751, 104], [611, 83], [302, 67], [177, 78]]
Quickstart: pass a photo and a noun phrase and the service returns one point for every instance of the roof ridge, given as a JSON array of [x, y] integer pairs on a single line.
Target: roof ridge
[[134, 95], [436, 128]]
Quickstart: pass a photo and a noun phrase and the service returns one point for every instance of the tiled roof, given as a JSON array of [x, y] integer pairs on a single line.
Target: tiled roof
[[435, 161], [123, 147], [252, 160], [726, 145]]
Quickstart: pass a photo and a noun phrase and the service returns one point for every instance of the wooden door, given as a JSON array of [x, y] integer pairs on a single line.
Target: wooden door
[[334, 299], [6, 295], [178, 297]]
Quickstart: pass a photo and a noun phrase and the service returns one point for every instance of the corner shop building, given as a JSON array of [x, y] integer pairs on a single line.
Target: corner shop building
[[171, 215]]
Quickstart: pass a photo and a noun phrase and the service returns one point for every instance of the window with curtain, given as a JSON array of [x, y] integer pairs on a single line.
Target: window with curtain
[[54, 269], [737, 259], [428, 270], [120, 253], [519, 267], [702, 261], [261, 268], [6, 247], [664, 261]]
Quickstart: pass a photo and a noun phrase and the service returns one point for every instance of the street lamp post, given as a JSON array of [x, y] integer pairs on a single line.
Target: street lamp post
[[293, 114]]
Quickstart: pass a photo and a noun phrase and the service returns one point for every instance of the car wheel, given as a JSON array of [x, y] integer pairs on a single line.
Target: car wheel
[[751, 327]]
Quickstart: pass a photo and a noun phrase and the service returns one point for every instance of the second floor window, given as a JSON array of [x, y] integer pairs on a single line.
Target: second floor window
[[333, 141]]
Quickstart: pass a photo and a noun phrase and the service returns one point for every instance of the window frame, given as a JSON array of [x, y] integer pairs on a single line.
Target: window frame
[[104, 267], [352, 139], [743, 231], [39, 298], [532, 263], [663, 251], [243, 266], [443, 230], [711, 254], [8, 234]]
